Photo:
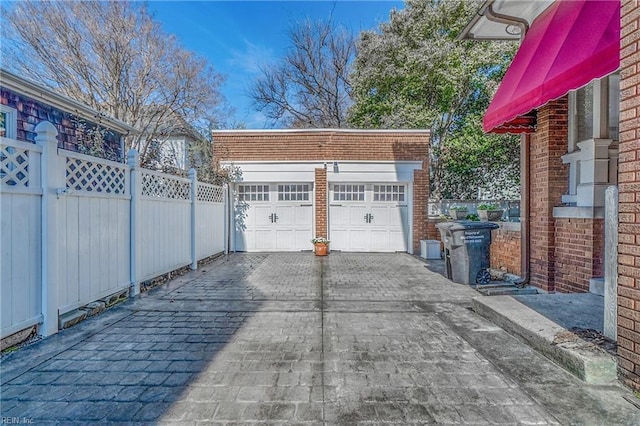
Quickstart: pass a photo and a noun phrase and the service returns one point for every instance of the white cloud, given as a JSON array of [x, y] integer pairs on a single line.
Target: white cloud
[[251, 58]]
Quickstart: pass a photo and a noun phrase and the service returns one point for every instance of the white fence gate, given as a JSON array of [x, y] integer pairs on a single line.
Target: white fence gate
[[76, 228]]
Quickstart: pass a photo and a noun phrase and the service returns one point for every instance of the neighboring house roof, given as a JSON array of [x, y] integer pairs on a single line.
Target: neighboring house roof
[[41, 93], [170, 124]]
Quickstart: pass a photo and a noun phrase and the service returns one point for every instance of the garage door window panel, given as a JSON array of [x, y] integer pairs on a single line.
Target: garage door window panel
[[392, 193], [348, 192], [253, 192], [294, 192]]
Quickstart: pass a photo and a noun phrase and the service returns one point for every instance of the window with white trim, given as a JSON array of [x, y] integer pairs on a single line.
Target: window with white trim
[[388, 193], [8, 122], [253, 192], [342, 192], [594, 111], [592, 151], [293, 192]]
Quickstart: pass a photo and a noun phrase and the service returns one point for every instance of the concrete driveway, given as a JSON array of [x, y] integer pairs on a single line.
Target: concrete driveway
[[293, 338]]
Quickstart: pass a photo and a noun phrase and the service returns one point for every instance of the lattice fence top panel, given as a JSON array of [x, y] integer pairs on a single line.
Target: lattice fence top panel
[[210, 193], [165, 186], [14, 166], [93, 176]]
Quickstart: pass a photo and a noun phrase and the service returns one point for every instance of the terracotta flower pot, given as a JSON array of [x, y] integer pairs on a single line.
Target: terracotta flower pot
[[321, 249]]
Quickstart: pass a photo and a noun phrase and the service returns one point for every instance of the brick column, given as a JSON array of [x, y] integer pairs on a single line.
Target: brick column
[[420, 207], [549, 180], [321, 202], [629, 198]]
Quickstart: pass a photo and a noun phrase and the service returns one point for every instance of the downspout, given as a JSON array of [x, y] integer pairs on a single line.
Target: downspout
[[525, 139], [525, 191], [230, 220]]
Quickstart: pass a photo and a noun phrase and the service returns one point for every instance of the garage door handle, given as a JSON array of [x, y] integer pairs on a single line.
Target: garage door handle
[[273, 217], [335, 205], [306, 205]]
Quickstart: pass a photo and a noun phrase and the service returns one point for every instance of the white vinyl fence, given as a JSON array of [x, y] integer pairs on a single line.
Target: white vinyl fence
[[76, 228]]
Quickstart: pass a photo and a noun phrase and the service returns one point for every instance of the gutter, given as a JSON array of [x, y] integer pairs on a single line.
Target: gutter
[[487, 11], [494, 16]]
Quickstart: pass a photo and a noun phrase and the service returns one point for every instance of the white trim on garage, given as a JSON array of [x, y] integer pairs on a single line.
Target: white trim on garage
[[304, 171]]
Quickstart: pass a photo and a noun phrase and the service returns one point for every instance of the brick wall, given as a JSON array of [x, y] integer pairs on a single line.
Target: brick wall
[[433, 233], [629, 187], [322, 145], [505, 250], [30, 113], [549, 180], [579, 253]]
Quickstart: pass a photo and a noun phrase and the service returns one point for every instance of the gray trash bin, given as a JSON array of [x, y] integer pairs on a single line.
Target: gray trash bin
[[445, 237], [468, 252]]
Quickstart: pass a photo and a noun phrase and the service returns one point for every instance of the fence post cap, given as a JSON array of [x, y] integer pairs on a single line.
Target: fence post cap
[[45, 129]]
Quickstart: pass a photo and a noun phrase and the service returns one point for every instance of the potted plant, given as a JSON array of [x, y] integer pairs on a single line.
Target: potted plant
[[458, 212], [320, 245], [490, 212], [472, 217]]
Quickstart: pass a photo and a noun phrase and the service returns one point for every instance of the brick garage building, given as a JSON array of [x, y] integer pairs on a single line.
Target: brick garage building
[[366, 190], [579, 118]]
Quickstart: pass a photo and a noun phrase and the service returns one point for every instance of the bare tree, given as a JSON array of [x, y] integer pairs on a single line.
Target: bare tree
[[309, 87], [114, 57]]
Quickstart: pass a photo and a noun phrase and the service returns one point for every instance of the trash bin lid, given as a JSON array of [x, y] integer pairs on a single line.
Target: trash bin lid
[[443, 226], [471, 224]]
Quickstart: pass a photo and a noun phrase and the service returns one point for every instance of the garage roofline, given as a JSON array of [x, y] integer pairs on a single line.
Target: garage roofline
[[414, 131], [321, 161]]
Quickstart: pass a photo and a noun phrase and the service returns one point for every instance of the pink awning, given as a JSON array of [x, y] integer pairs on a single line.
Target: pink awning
[[567, 46]]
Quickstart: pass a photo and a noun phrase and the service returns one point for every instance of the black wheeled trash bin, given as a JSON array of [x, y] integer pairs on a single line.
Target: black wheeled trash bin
[[469, 253]]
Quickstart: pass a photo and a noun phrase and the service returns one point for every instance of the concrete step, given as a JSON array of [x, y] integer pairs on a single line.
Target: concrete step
[[583, 359]]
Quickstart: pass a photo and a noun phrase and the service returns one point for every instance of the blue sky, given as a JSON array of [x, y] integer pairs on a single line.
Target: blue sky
[[238, 36]]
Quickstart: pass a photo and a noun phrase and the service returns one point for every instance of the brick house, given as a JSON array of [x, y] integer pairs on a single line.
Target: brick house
[[24, 104], [366, 190], [572, 92]]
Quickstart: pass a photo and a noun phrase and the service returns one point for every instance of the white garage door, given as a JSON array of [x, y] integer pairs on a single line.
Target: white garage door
[[274, 217], [368, 217]]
